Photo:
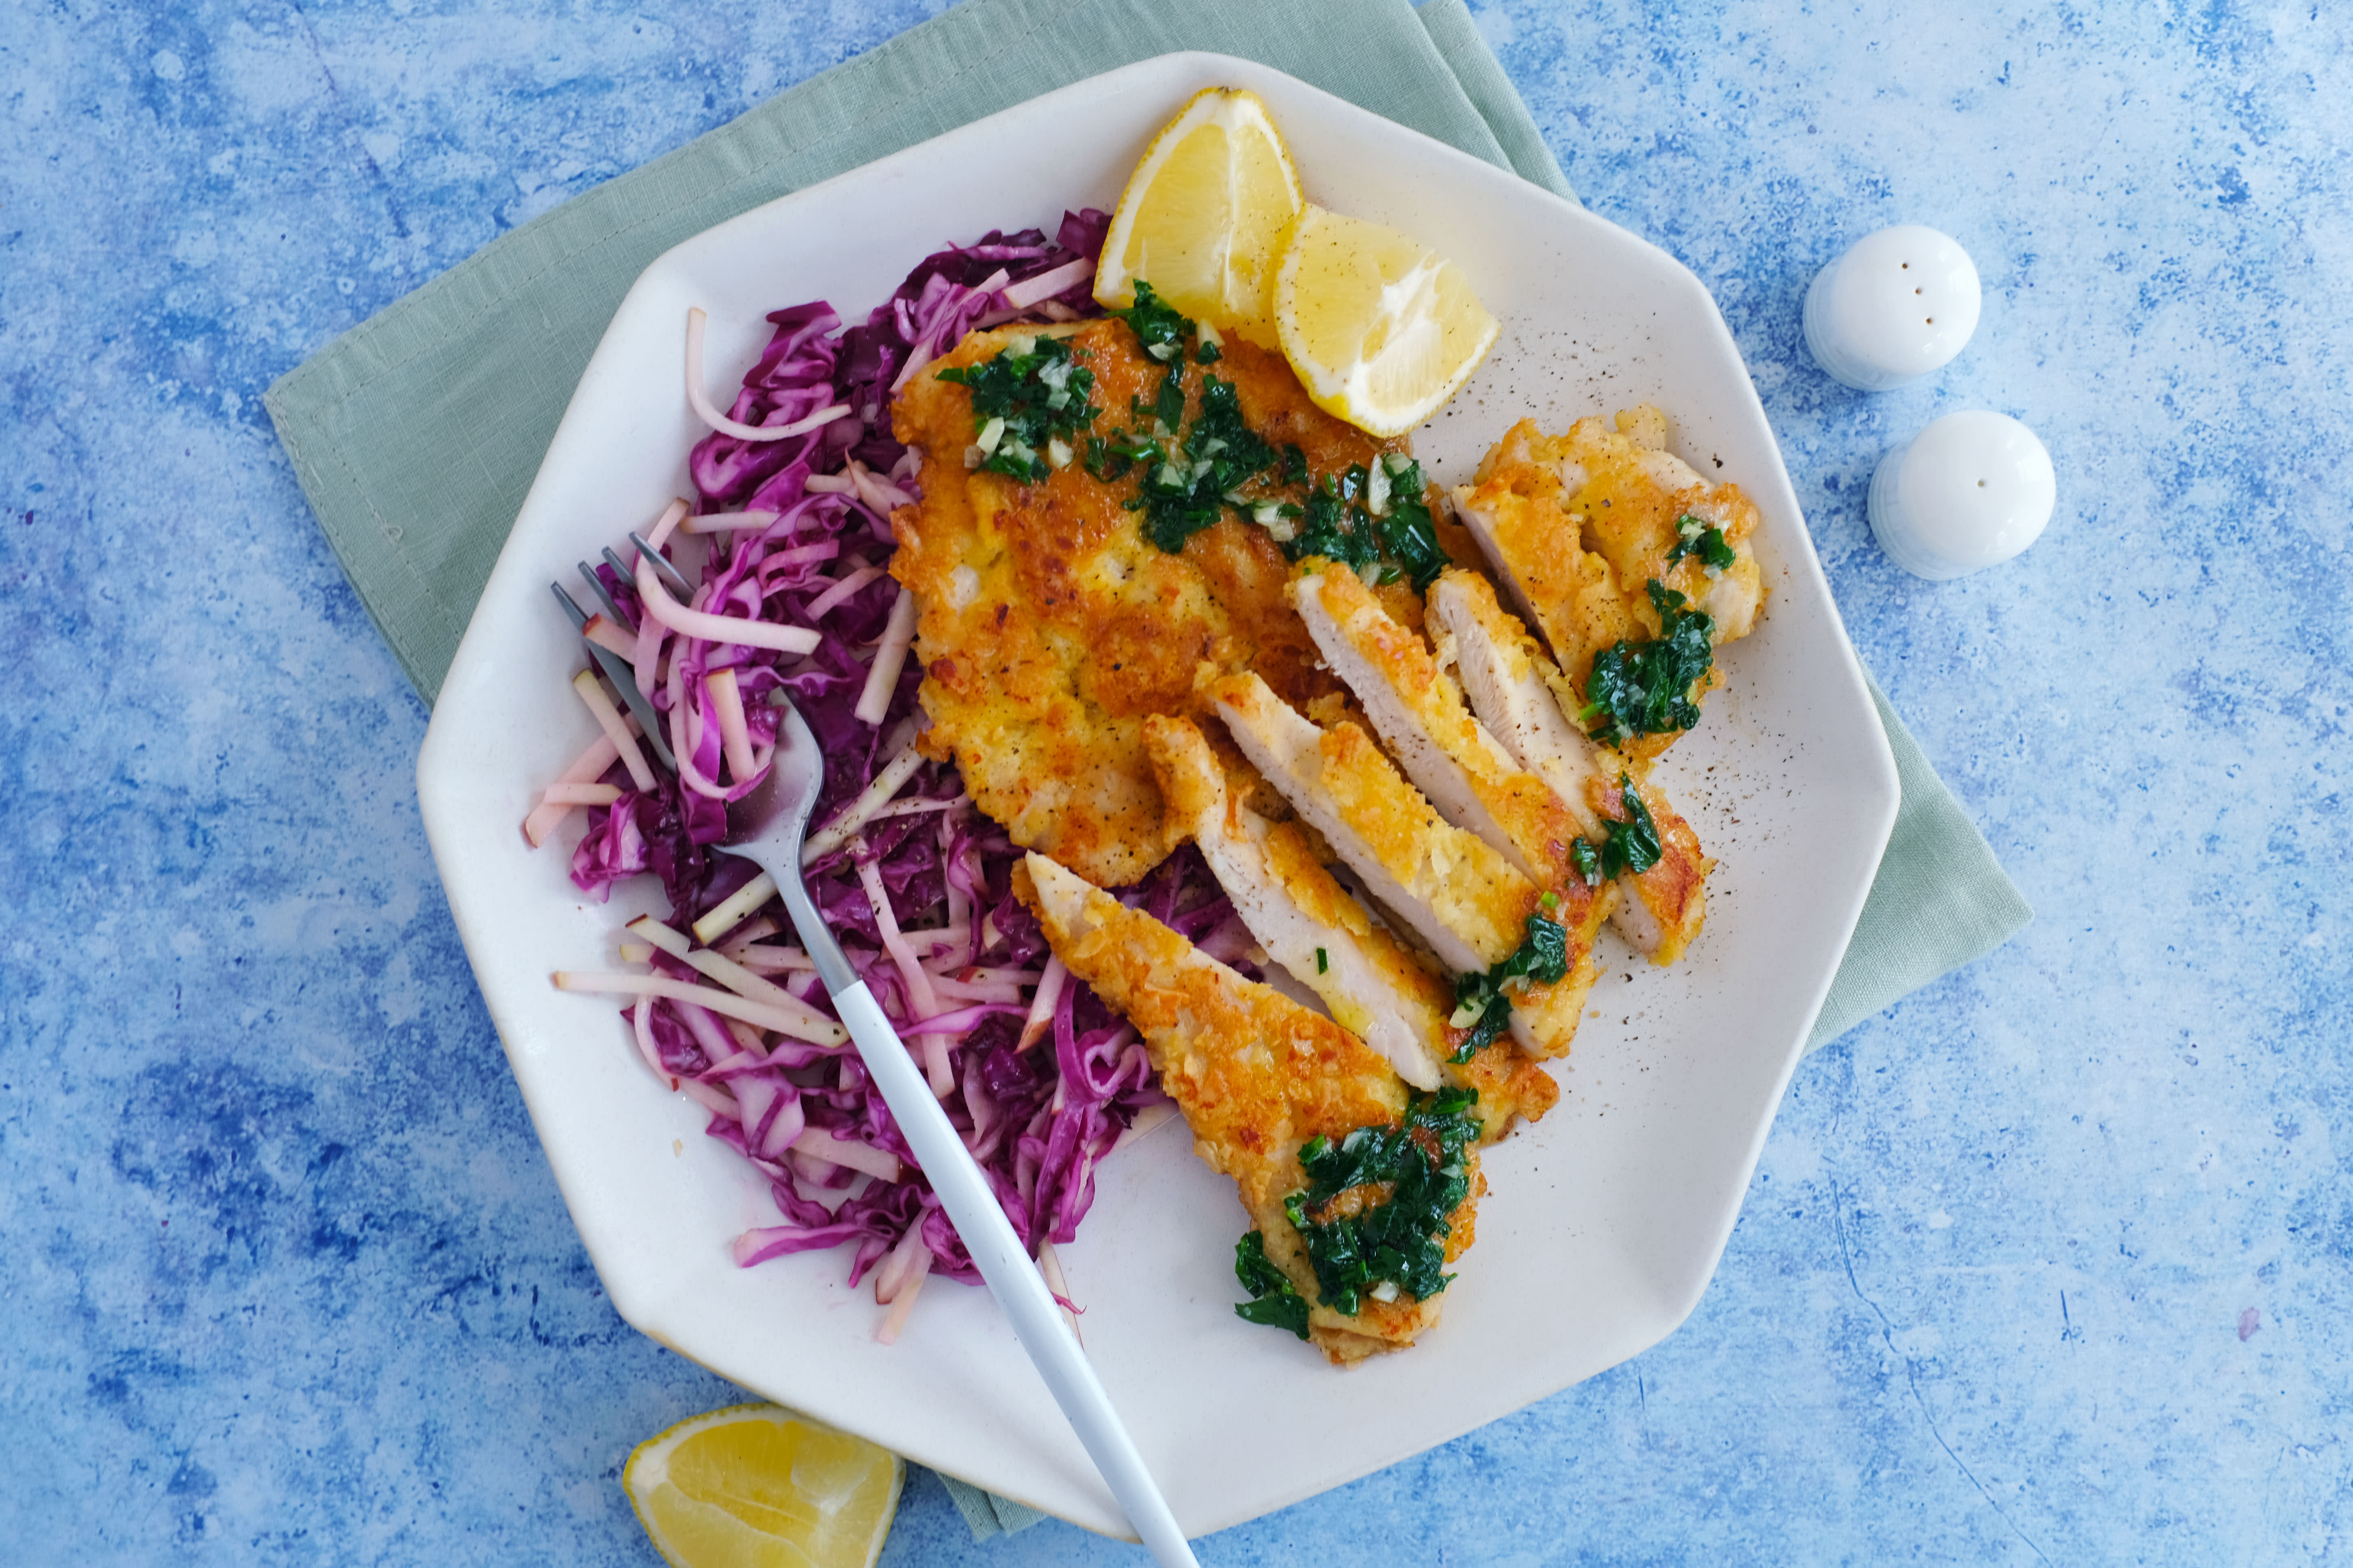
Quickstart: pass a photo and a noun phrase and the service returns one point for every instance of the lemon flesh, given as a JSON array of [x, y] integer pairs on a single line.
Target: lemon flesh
[[754, 1486], [1203, 216], [1380, 329]]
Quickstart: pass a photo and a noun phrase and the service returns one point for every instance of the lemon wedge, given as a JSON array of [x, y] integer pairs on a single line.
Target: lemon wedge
[[1380, 329], [755, 1486], [1203, 216]]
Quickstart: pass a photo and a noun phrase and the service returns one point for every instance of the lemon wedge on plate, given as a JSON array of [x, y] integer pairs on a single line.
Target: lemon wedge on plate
[[1380, 329], [1203, 216], [755, 1486]]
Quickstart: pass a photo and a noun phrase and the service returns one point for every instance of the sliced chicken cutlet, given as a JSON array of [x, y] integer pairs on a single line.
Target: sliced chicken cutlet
[[1579, 525], [1474, 782], [1308, 924], [1459, 895], [1511, 684], [1257, 1077], [1051, 626]]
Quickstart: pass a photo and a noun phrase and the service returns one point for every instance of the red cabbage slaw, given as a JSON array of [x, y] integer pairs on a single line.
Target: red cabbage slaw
[[912, 879]]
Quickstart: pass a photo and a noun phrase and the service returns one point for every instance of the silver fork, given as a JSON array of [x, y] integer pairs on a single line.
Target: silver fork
[[766, 827], [624, 679]]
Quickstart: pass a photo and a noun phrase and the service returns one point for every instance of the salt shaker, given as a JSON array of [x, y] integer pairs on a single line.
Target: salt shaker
[[1900, 303], [1970, 491]]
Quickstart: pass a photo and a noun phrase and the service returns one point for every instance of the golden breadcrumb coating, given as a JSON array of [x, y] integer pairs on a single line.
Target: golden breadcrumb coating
[[1255, 1074], [1050, 627], [1461, 895], [1308, 924], [1421, 715], [1511, 684], [1579, 524]]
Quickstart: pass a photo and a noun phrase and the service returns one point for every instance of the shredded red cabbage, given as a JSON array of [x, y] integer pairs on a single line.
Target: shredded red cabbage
[[1040, 1123]]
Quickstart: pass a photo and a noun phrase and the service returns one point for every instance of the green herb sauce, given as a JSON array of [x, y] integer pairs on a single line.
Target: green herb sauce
[[1275, 1300], [1040, 394], [1483, 1004], [1631, 845], [1644, 688], [1401, 1242], [1697, 536], [1190, 473]]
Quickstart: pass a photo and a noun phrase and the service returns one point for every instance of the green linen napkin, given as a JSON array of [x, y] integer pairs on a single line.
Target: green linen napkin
[[417, 433]]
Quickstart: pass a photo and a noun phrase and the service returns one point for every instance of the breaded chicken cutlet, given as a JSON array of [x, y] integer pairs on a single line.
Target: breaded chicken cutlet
[[1580, 526], [1464, 900], [1420, 716], [1111, 683], [1511, 686], [1307, 922], [1051, 627], [1259, 1078]]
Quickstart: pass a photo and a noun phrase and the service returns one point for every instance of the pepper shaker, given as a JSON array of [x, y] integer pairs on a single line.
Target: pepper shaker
[[1899, 304]]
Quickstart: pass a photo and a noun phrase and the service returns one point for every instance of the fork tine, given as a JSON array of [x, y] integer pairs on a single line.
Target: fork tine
[[614, 558], [618, 671], [579, 617], [670, 576], [604, 596]]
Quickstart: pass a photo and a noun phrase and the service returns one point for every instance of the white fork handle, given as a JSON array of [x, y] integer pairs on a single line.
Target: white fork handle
[[1011, 1276]]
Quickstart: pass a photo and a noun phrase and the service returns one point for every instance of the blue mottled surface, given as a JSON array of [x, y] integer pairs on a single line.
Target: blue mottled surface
[[2052, 1262]]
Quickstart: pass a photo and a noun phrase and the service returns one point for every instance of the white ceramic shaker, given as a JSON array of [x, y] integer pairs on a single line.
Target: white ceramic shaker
[[1900, 303], [1970, 491]]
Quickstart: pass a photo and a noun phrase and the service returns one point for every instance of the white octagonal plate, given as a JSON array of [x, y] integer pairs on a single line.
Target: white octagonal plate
[[1601, 1225]]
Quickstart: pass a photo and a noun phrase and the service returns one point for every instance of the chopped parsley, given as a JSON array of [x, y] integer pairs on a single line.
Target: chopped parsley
[[1190, 473], [1169, 405], [1697, 536], [1161, 331], [1644, 688], [1220, 436], [1408, 535], [1329, 526], [1632, 845], [1482, 1006], [1368, 518], [1189, 489], [1383, 1247], [1174, 507], [1032, 395], [1159, 326], [1375, 519], [1275, 1300], [1109, 457]]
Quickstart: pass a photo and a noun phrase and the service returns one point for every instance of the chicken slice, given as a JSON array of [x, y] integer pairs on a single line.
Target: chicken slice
[[1303, 918], [1476, 784], [1633, 495], [1309, 924], [1460, 896], [1579, 525], [1256, 1075], [1509, 684]]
